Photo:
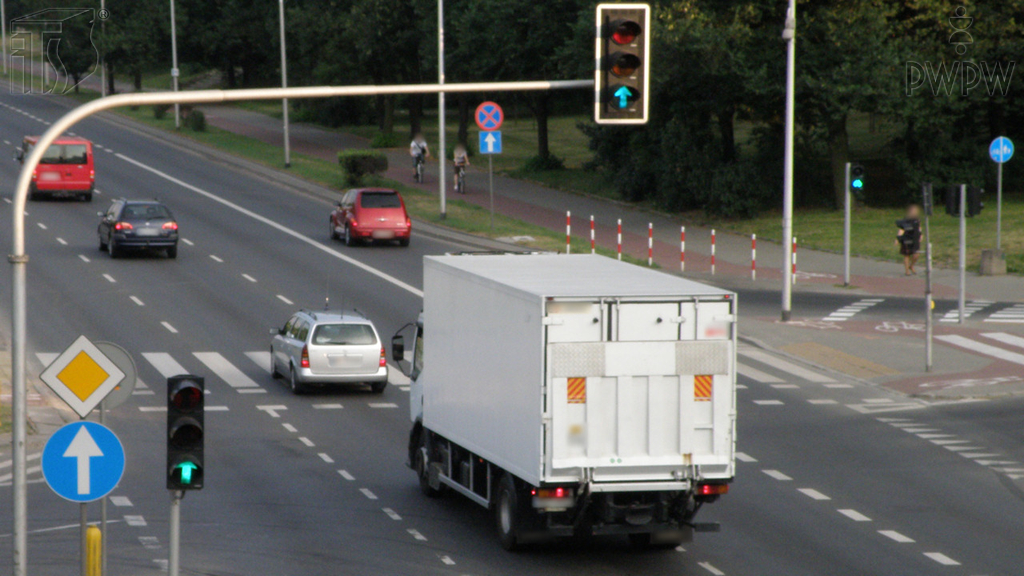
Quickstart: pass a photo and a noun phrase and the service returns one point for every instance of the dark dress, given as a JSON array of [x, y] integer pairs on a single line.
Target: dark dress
[[910, 241]]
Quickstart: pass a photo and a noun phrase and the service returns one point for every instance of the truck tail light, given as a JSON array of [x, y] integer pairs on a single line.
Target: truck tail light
[[383, 359], [304, 361], [712, 489], [551, 493], [123, 226]]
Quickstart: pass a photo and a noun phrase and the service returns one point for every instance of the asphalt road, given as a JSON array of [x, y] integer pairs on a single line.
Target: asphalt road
[[835, 477]]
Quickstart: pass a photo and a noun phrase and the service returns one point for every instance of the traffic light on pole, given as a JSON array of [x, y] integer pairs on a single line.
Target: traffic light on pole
[[974, 204], [622, 74], [952, 199], [185, 403], [857, 179]]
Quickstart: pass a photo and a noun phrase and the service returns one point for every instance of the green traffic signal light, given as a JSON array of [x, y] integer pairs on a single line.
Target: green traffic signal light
[[185, 472], [622, 57], [185, 421]]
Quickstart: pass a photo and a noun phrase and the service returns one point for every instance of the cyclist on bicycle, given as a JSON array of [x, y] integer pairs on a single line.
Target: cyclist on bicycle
[[461, 160], [419, 151]]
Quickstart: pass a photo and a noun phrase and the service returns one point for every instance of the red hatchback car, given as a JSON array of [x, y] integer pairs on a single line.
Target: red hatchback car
[[371, 214]]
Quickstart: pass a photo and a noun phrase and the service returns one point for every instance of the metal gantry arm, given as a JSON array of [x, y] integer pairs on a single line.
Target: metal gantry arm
[[19, 260]]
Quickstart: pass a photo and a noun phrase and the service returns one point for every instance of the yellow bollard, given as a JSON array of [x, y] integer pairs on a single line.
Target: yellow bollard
[[94, 556]]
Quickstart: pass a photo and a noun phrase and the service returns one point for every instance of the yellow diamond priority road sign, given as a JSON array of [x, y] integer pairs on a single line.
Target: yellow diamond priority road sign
[[82, 376]]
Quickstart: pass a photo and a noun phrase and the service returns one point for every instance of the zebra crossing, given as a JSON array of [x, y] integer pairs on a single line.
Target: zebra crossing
[[239, 375], [987, 346], [1012, 315], [970, 308], [849, 311]]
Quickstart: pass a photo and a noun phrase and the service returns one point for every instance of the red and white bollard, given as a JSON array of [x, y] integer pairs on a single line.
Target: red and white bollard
[[682, 249], [712, 251], [650, 244], [794, 259], [568, 229], [618, 248], [753, 257], [592, 250]]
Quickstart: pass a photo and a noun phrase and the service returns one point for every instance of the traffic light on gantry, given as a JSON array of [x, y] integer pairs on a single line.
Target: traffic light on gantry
[[185, 404], [622, 58]]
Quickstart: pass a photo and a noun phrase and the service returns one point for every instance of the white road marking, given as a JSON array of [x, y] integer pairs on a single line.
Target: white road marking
[[152, 408], [227, 371], [344, 474], [170, 328], [285, 300], [121, 501], [877, 400], [8, 200], [777, 475], [813, 494], [946, 442], [306, 441], [1005, 338], [707, 566], [41, 225], [447, 560], [985, 349], [962, 448], [942, 558], [83, 257], [149, 542], [853, 515], [996, 462], [768, 402], [785, 386], [366, 492], [894, 535], [744, 457], [416, 534], [164, 364], [216, 408], [822, 401], [187, 241], [382, 405], [273, 410], [249, 278], [110, 278], [136, 300], [755, 374], [215, 258], [251, 391], [788, 367], [261, 359], [280, 227], [326, 458], [135, 520], [289, 427], [838, 386], [392, 514], [61, 241], [933, 436], [327, 406]]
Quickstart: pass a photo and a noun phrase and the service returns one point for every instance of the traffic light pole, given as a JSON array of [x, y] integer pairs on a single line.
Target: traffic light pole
[[442, 156], [846, 228], [928, 303], [19, 259], [789, 34], [173, 556], [963, 252]]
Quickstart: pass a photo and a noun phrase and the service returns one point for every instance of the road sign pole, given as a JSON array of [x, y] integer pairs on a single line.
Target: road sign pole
[[103, 506], [442, 155], [175, 537], [19, 392], [846, 229], [927, 193], [83, 513], [490, 184], [999, 205], [963, 252], [789, 35]]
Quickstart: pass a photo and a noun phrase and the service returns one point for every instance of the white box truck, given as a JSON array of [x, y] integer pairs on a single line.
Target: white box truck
[[573, 394]]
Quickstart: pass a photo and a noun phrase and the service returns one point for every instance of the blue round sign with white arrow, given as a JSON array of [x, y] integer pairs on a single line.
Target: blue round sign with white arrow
[[1001, 149], [83, 461]]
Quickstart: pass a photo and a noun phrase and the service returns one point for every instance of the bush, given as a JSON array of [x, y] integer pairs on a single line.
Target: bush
[[360, 163], [160, 111], [382, 140], [196, 120], [540, 164]]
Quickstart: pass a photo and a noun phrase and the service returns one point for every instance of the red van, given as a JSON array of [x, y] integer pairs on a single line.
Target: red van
[[66, 170]]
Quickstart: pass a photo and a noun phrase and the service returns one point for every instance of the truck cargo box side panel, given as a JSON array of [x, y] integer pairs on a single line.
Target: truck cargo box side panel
[[483, 367]]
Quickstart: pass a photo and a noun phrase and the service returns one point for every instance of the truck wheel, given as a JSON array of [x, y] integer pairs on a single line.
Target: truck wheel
[[421, 466], [506, 514], [640, 540]]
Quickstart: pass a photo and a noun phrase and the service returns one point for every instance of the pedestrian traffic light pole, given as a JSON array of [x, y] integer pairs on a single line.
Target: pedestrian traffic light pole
[[846, 228], [19, 259], [789, 35], [928, 199], [174, 544], [961, 304]]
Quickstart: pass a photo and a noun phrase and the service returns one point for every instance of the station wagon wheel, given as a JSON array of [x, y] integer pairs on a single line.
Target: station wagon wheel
[[333, 228], [348, 237], [294, 384]]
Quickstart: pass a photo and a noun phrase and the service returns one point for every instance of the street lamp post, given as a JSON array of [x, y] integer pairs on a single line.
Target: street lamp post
[[103, 70], [174, 67], [441, 154], [284, 84], [789, 34], [3, 32]]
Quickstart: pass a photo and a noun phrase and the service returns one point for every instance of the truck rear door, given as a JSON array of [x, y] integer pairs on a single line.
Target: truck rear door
[[640, 391]]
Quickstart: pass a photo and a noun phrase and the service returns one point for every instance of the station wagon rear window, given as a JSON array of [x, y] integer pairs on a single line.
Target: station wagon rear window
[[380, 200], [343, 335]]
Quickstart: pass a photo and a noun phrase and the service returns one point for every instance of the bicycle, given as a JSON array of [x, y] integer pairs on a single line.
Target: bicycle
[[460, 180], [419, 168]]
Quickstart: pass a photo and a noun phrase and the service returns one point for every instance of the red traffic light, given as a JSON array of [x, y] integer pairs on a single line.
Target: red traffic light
[[625, 31]]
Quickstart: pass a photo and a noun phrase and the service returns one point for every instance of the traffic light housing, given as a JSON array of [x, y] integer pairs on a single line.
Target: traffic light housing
[[622, 58], [185, 404], [857, 179], [952, 198], [974, 204], [927, 201]]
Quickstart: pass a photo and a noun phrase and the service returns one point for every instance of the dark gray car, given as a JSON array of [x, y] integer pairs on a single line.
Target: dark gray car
[[138, 224]]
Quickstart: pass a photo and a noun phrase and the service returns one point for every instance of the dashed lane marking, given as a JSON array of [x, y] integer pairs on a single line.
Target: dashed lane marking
[[344, 474], [785, 386], [777, 475], [187, 241], [416, 534], [941, 558], [327, 406], [306, 441], [84, 258], [838, 386], [170, 328], [326, 458], [707, 566], [272, 410], [110, 278], [948, 442], [41, 225], [249, 278], [366, 492], [813, 494], [285, 300], [62, 241], [744, 457], [853, 515], [136, 300], [896, 536], [149, 542], [216, 258], [289, 427], [120, 501], [135, 520], [768, 402], [822, 401], [392, 514], [448, 561], [382, 405]]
